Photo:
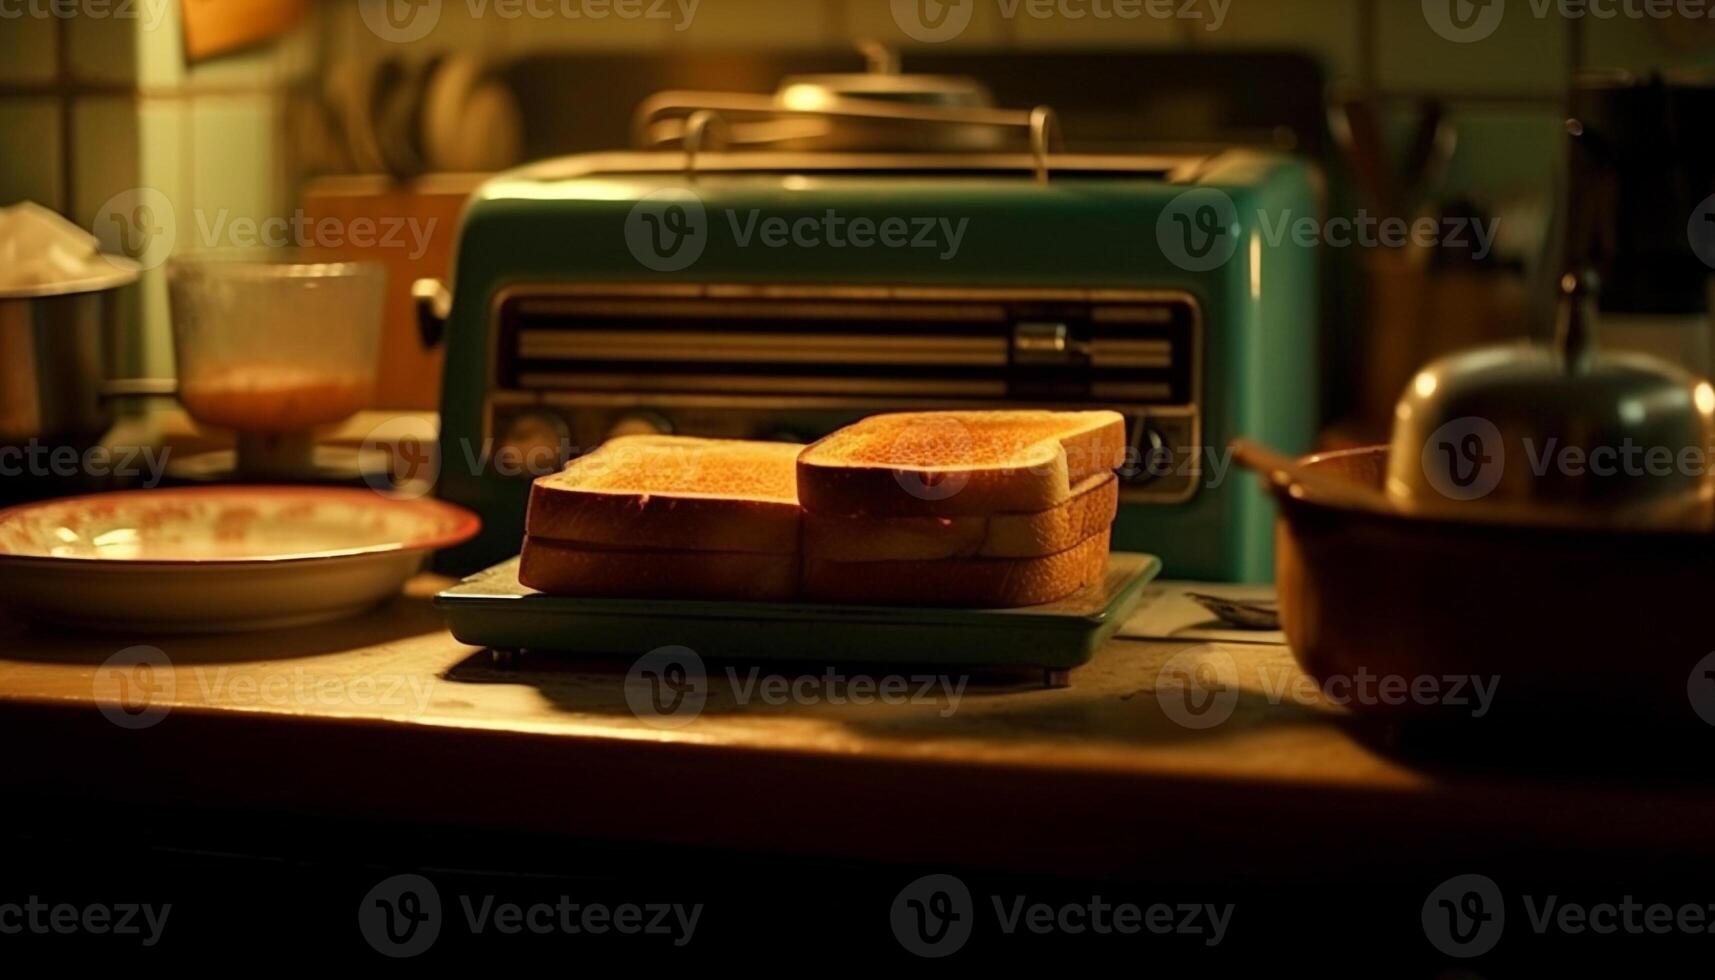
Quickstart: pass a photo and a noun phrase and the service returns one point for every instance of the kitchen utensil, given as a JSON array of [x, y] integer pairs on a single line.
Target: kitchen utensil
[[621, 292], [273, 348], [207, 559], [470, 120], [1284, 471], [54, 358], [491, 609], [1355, 121], [1169, 610], [1561, 435], [1244, 614], [1602, 624], [1642, 167], [1433, 141]]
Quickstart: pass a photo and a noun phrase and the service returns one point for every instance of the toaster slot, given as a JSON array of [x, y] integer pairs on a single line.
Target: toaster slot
[[740, 347], [1018, 350]]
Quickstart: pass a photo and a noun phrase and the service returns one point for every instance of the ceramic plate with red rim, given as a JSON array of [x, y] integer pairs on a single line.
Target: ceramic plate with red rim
[[206, 559]]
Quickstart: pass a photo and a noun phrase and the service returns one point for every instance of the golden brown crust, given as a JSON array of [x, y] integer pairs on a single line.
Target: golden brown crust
[[1090, 510], [993, 583], [673, 493], [560, 569], [953, 464]]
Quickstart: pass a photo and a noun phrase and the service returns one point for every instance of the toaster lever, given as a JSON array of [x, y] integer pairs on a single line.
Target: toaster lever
[[1043, 343], [434, 303]]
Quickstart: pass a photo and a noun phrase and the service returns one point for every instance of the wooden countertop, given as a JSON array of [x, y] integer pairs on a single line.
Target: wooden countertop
[[387, 717]]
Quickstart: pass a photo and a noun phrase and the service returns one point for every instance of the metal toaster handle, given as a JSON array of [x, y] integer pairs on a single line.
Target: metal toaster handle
[[708, 116]]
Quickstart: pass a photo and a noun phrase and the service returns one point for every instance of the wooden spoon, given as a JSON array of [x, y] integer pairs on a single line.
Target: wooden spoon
[[1307, 483]]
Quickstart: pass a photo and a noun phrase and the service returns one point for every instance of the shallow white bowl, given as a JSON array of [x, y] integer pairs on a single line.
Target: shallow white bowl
[[209, 559]]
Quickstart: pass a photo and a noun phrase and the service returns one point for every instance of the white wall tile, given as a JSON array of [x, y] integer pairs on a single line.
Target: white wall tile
[[1083, 25], [942, 23], [102, 49], [759, 23], [27, 49], [30, 147], [1523, 54], [104, 164], [232, 147], [1327, 29]]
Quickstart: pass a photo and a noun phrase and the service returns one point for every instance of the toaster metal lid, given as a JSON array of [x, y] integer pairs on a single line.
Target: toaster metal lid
[[1168, 167]]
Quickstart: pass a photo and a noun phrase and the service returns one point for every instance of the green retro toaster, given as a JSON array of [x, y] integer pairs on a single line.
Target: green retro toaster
[[776, 267]]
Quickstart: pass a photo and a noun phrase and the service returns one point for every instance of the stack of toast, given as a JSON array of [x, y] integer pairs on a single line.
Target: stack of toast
[[993, 509], [654, 515], [987, 509]]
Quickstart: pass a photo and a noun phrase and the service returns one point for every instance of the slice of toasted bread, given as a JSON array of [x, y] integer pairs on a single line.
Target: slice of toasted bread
[[564, 569], [988, 583], [1089, 511], [651, 492], [952, 464]]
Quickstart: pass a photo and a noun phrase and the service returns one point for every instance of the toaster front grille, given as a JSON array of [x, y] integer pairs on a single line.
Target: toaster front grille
[[954, 345]]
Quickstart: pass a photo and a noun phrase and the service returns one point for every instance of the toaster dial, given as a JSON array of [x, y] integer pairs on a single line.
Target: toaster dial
[[535, 442], [643, 423], [1163, 462]]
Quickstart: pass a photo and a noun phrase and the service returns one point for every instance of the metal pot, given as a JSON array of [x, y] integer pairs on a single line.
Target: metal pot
[[54, 343], [1607, 625]]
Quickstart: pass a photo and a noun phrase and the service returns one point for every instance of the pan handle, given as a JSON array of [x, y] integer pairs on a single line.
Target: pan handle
[[115, 388]]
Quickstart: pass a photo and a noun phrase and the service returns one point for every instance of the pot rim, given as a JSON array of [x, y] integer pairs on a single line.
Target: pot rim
[[1289, 502], [117, 278]]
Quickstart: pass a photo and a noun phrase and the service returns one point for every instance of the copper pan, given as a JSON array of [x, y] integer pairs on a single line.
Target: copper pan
[[1607, 625]]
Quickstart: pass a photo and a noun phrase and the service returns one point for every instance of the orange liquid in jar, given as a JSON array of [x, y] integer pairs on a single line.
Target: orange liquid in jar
[[272, 398]]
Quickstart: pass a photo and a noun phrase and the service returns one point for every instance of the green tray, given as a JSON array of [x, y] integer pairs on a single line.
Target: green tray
[[491, 609]]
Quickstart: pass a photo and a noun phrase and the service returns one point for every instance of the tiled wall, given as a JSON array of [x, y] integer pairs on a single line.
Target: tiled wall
[[91, 107], [98, 113], [1503, 92]]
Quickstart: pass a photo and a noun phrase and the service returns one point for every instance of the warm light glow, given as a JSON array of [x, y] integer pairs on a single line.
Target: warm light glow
[[1256, 266], [805, 98], [1424, 384], [1705, 397]]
